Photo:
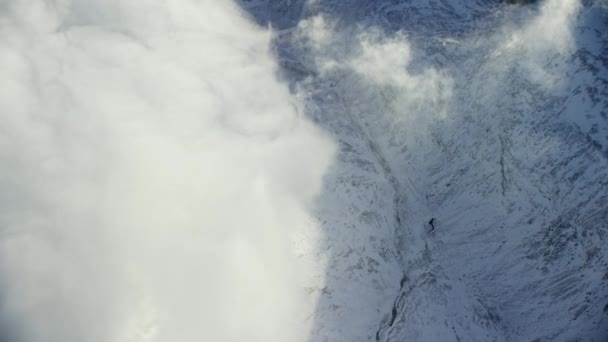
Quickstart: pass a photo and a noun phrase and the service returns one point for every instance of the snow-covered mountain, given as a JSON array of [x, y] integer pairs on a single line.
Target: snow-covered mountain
[[303, 170], [469, 199]]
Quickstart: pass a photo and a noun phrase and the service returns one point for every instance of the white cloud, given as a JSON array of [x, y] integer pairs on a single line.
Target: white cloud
[[385, 61], [547, 35], [382, 64], [155, 175]]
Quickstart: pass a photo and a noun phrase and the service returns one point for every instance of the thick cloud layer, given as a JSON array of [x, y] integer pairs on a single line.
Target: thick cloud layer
[[155, 179]]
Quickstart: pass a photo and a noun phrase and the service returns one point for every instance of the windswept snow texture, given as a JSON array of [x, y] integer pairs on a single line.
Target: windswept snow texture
[[490, 118]]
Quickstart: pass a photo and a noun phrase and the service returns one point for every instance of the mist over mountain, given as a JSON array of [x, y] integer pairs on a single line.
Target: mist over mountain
[[468, 201], [303, 170]]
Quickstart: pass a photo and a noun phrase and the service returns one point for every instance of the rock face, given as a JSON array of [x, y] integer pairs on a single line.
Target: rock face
[[496, 126]]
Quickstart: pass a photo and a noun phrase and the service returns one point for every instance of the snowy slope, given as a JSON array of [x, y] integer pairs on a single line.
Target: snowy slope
[[496, 126]]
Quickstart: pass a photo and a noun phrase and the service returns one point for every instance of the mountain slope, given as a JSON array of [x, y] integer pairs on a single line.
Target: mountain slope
[[491, 119]]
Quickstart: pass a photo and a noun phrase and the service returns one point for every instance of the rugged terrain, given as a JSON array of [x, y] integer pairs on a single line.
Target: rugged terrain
[[487, 117]]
